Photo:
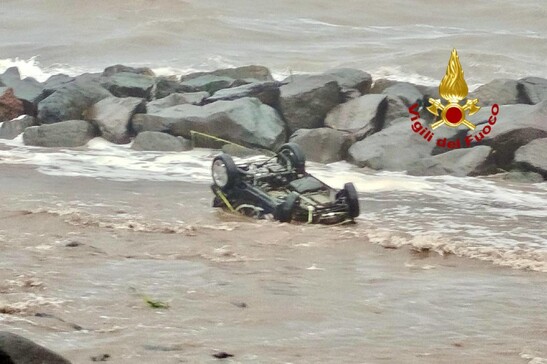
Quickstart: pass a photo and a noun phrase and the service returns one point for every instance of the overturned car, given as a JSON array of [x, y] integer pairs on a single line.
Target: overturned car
[[279, 186]]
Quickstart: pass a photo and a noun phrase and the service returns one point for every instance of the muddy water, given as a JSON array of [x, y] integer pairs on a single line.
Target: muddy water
[[265, 292]]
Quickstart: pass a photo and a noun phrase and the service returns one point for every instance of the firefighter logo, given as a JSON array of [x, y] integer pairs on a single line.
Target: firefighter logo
[[453, 89]]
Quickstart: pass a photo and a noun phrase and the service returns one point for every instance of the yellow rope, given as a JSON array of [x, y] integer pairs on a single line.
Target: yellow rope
[[225, 200]]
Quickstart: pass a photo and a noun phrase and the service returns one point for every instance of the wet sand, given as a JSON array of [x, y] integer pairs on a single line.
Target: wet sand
[[85, 253]]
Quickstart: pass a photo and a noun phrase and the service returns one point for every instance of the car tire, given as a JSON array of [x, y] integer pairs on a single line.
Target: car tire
[[224, 172], [285, 210], [292, 153], [352, 199]]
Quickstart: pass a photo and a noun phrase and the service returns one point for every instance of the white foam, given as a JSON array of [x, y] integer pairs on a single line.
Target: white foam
[[31, 68]]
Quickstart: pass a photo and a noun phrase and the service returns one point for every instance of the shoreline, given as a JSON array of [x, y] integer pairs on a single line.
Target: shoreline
[[387, 305]]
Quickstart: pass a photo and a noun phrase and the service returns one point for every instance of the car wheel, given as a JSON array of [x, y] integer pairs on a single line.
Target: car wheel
[[285, 210], [224, 172], [352, 199], [291, 156]]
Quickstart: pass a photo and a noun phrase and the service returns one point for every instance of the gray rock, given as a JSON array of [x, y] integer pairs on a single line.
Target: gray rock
[[127, 84], [381, 84], [457, 162], [267, 92], [515, 126], [306, 101], [112, 116], [55, 82], [533, 156], [323, 145], [15, 349], [523, 177], [351, 78], [209, 83], [12, 128], [109, 71], [252, 72], [500, 91], [407, 92], [395, 110], [70, 101], [532, 90], [68, 134], [244, 121], [194, 98], [394, 148], [27, 89], [166, 86], [162, 142], [362, 116]]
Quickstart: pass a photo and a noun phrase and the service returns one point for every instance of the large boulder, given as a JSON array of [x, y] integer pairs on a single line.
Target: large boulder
[[457, 162], [306, 101], [515, 126], [523, 177], [15, 349], [394, 148], [267, 92], [532, 90], [533, 156], [396, 109], [10, 106], [405, 91], [112, 116], [12, 128], [28, 89], [161, 142], [129, 84], [381, 84], [500, 91], [245, 121], [194, 98], [68, 134], [118, 68], [166, 86], [362, 116], [351, 78], [252, 73], [323, 145], [55, 82], [71, 100]]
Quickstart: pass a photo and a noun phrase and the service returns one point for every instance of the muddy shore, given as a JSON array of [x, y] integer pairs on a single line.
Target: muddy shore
[[80, 256]]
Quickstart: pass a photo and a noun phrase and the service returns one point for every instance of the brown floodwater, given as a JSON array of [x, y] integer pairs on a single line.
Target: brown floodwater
[[81, 256]]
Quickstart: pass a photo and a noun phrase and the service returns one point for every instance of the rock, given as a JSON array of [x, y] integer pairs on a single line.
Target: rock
[[55, 82], [70, 101], [323, 145], [10, 106], [516, 125], [161, 142], [380, 85], [267, 92], [532, 90], [362, 116], [118, 68], [209, 83], [27, 90], [68, 134], [127, 84], [523, 177], [12, 128], [457, 162], [407, 92], [15, 349], [244, 121], [253, 72], [306, 101], [350, 78], [394, 148], [112, 116], [533, 156], [396, 110], [166, 86], [194, 98], [500, 91]]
